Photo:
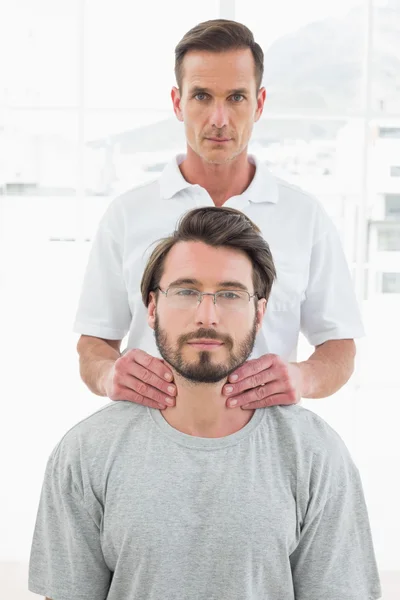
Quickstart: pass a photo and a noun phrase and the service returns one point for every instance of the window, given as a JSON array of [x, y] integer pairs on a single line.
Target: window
[[389, 240], [392, 206], [391, 283], [392, 133], [395, 171]]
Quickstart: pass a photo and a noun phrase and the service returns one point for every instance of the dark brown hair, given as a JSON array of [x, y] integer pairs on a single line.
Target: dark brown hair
[[217, 227], [219, 35]]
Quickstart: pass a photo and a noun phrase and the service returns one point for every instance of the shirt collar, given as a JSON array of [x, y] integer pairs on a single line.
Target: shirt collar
[[263, 187]]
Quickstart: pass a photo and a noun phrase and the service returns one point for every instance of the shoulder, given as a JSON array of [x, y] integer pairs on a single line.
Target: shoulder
[[310, 435], [294, 200], [95, 435], [289, 193], [318, 455], [141, 209], [148, 191], [129, 201]]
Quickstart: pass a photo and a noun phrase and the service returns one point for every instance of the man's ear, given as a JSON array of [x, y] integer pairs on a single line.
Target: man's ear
[[261, 96], [261, 307], [151, 310], [176, 103]]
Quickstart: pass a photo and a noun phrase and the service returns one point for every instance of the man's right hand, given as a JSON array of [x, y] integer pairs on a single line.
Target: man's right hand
[[138, 377]]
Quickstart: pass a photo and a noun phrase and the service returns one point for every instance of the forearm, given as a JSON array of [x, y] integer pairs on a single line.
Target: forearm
[[96, 359], [327, 369]]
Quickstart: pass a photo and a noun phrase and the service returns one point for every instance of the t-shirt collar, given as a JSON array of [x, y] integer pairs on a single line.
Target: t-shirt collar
[[263, 187]]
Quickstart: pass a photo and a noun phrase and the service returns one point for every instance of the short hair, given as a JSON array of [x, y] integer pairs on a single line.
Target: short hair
[[219, 35], [219, 227]]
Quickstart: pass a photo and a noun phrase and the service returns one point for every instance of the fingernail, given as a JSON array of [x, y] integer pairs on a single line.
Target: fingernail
[[170, 401], [168, 376], [232, 402], [233, 378], [171, 389], [229, 389]]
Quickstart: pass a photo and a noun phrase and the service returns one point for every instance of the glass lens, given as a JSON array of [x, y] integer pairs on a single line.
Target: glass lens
[[182, 297], [232, 300]]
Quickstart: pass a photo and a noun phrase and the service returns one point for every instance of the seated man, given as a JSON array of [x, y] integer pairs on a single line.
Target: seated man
[[202, 502]]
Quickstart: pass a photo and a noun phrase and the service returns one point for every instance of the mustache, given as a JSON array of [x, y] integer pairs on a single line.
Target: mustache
[[203, 333], [221, 134]]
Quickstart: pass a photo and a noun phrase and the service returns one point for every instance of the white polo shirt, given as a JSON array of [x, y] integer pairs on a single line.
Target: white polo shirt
[[313, 292]]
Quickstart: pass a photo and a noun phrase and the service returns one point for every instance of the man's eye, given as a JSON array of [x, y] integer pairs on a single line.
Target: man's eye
[[230, 295], [185, 293], [238, 97], [203, 96]]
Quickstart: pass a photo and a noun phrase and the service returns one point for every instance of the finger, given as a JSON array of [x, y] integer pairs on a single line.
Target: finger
[[252, 367], [151, 363], [259, 379], [131, 396], [152, 379], [146, 391], [274, 400], [257, 394]]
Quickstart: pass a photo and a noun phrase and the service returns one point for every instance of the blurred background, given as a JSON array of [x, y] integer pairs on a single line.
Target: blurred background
[[85, 114]]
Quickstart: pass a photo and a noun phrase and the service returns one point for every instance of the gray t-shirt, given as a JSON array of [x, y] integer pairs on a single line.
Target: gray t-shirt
[[132, 509]]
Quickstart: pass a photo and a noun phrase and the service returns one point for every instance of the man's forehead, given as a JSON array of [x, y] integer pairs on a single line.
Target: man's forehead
[[230, 69], [196, 260]]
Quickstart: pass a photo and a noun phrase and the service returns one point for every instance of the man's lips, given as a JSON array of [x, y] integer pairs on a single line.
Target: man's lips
[[207, 344], [219, 139]]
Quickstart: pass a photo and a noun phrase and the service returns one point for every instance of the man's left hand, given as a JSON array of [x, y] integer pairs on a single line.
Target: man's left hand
[[264, 381]]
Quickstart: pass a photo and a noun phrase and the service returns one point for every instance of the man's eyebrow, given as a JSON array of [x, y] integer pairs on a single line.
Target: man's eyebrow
[[221, 284], [184, 281], [202, 90], [233, 284]]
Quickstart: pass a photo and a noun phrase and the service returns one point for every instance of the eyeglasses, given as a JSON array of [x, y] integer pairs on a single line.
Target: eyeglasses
[[185, 298]]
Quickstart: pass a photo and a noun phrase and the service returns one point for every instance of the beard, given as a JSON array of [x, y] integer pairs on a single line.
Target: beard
[[204, 369]]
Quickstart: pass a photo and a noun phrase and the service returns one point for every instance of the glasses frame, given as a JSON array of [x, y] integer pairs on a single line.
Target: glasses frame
[[200, 295]]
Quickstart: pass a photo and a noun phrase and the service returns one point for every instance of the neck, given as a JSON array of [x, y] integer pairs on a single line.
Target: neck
[[222, 181], [201, 410]]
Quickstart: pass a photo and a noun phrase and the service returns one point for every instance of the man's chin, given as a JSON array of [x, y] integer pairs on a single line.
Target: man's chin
[[201, 377], [218, 156], [201, 373]]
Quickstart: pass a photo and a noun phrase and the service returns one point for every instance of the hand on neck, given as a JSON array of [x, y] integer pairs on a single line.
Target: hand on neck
[[201, 410]]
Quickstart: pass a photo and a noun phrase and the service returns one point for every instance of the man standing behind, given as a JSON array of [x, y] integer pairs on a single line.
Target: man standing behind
[[219, 69], [200, 502]]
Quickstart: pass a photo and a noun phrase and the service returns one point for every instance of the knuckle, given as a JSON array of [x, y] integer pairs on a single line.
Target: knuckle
[[143, 357], [140, 387], [147, 359], [254, 381], [260, 393], [144, 375]]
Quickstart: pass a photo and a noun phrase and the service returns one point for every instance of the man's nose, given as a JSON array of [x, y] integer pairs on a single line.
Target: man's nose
[[219, 116], [207, 312]]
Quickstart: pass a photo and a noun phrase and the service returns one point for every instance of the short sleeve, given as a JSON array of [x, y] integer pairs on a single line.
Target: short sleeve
[[66, 559], [103, 308], [330, 310], [334, 558]]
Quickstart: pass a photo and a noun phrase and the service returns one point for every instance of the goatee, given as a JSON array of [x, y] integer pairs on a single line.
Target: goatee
[[204, 370]]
